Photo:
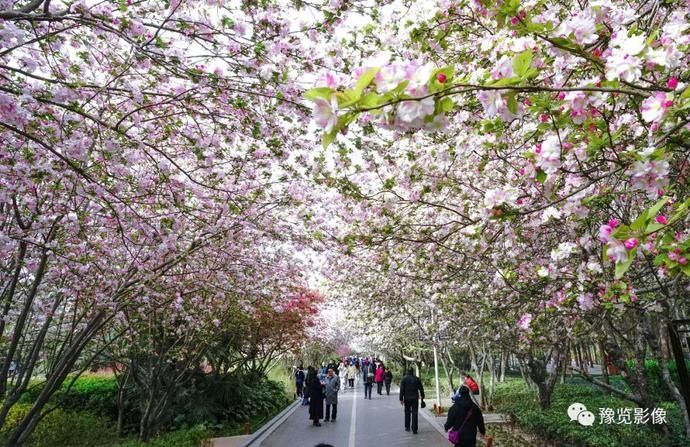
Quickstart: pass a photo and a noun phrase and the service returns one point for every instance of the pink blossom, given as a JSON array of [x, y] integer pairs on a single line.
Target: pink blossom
[[504, 68], [586, 301], [631, 243], [654, 107], [605, 233], [525, 321], [650, 176], [326, 113], [672, 83], [661, 219], [549, 157], [616, 251]]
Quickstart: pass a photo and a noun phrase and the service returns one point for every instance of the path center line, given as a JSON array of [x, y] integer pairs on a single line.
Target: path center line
[[353, 420]]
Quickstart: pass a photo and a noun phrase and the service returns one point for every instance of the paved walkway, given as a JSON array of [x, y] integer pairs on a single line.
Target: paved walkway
[[360, 422]]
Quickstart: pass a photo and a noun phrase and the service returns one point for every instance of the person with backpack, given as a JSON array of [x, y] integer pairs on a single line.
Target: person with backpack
[[464, 420]]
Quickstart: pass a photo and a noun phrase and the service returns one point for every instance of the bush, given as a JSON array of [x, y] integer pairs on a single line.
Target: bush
[[657, 385], [190, 437], [86, 413], [63, 428], [513, 398], [230, 399], [90, 392]]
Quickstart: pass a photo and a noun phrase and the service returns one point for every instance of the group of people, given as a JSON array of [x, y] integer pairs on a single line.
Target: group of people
[[374, 371], [317, 387]]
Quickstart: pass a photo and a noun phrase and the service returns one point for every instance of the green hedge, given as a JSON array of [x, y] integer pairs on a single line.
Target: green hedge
[[514, 399], [86, 413], [63, 428], [90, 392], [189, 437]]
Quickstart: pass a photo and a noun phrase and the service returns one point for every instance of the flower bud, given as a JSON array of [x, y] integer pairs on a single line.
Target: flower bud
[[631, 243]]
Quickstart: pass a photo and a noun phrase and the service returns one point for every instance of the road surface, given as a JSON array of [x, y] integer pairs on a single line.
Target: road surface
[[378, 422]]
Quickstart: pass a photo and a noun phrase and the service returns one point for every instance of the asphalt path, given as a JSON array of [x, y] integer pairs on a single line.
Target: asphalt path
[[360, 423]]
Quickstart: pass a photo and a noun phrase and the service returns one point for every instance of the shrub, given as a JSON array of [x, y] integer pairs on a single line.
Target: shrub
[[513, 398], [190, 437], [226, 399], [90, 392], [63, 428]]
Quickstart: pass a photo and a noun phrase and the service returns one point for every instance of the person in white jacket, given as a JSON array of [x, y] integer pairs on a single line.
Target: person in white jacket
[[351, 374]]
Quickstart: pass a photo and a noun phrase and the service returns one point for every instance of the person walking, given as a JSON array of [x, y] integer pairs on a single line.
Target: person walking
[[332, 388], [411, 389], [351, 373], [465, 418], [315, 398], [342, 374], [378, 378], [299, 380], [388, 379], [368, 378]]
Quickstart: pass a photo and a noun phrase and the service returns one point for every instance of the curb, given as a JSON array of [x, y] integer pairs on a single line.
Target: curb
[[432, 420], [269, 427]]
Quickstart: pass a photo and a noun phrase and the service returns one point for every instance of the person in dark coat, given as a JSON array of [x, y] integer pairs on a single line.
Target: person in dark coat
[[368, 372], [299, 381], [388, 379], [411, 389], [315, 399], [466, 417]]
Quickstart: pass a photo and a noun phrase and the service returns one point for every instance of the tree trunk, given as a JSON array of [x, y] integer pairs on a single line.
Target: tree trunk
[[604, 363]]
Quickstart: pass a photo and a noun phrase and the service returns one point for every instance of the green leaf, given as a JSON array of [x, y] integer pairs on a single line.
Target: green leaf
[[541, 176], [660, 259], [369, 100], [622, 232], [565, 43], [653, 226], [685, 94], [657, 206], [364, 80], [318, 92], [622, 267], [506, 81], [521, 63], [640, 222], [348, 98], [328, 138], [434, 85], [446, 105]]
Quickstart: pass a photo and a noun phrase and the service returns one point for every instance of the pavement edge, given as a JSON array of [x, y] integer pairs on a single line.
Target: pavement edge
[[269, 427]]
